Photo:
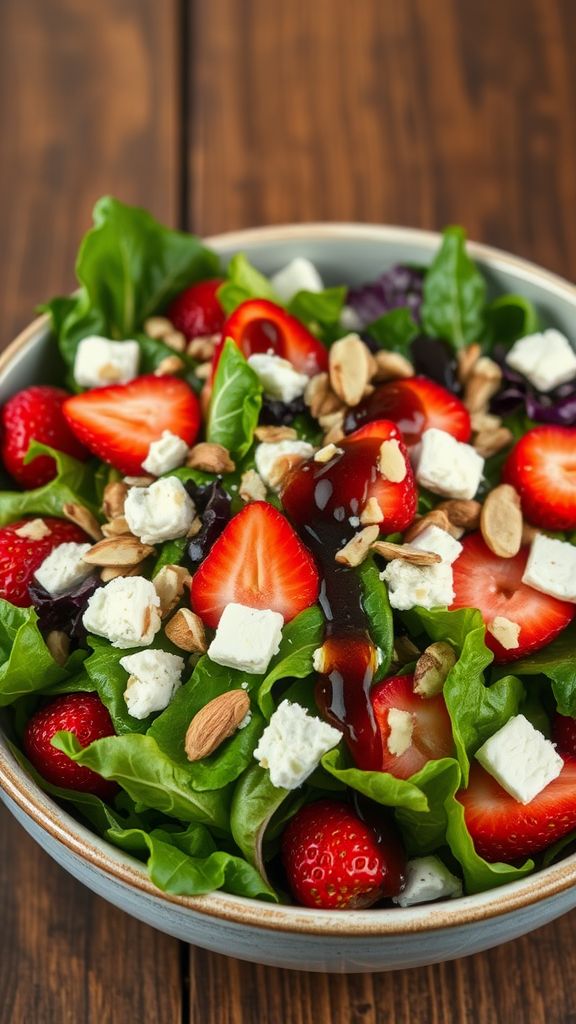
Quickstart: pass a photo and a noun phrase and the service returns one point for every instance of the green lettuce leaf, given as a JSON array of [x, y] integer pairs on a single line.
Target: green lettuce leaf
[[300, 638], [395, 330], [382, 787], [558, 663], [235, 404], [454, 293], [26, 665], [320, 311], [109, 679], [74, 482], [377, 607], [244, 282], [254, 802], [508, 318]]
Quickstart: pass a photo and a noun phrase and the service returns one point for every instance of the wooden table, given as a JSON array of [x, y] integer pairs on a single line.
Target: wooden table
[[218, 114]]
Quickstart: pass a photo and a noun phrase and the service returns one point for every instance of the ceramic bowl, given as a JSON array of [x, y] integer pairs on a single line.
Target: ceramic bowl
[[369, 940]]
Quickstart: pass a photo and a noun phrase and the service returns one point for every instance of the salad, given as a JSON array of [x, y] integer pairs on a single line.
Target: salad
[[288, 572]]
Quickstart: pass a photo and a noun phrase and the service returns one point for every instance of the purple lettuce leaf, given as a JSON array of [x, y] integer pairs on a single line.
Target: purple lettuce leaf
[[399, 286]]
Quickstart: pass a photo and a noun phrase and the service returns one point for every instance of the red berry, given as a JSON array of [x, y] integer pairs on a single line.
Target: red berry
[[21, 556], [431, 727], [36, 414], [261, 326], [335, 861], [82, 714], [414, 405], [542, 468], [197, 311], [564, 733]]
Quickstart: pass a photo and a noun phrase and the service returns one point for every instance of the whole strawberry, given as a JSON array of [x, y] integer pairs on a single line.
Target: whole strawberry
[[336, 861], [82, 714], [196, 311], [36, 414], [23, 547]]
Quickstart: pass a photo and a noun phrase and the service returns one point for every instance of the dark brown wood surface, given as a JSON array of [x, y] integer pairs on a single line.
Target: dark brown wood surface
[[218, 114]]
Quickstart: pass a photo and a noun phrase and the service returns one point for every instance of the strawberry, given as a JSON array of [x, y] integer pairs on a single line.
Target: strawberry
[[336, 861], [414, 405], [118, 423], [542, 468], [196, 311], [504, 829], [564, 733], [257, 561], [36, 414], [432, 730], [494, 585], [82, 714], [261, 326], [21, 556]]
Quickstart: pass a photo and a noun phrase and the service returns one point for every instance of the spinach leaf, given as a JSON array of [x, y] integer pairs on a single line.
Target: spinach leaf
[[382, 787], [235, 404], [508, 318], [320, 311], [26, 665], [377, 607], [244, 282], [395, 330], [557, 663], [454, 293], [74, 482], [254, 802], [300, 638]]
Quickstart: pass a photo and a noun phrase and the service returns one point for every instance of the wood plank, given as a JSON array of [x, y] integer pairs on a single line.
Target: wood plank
[[88, 105]]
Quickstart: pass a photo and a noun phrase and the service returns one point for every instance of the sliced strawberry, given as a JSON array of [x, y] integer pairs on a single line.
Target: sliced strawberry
[[542, 468], [414, 405], [494, 585], [119, 423], [20, 556], [504, 829], [261, 326], [431, 727], [197, 311], [564, 733], [257, 561], [36, 414], [340, 489]]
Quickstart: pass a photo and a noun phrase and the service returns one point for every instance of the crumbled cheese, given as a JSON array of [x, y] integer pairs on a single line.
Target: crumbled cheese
[[269, 452], [401, 725], [551, 568], [300, 275], [440, 542], [278, 377], [447, 466], [167, 453], [162, 511], [349, 319], [546, 360], [428, 586], [292, 744], [521, 759], [34, 529], [246, 638], [100, 361], [427, 879], [154, 677], [64, 569], [125, 612]]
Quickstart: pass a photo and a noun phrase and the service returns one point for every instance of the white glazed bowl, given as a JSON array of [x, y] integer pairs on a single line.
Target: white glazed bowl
[[360, 940]]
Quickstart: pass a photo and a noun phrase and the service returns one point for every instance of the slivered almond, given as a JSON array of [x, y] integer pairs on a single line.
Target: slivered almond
[[371, 513], [169, 366], [111, 572], [114, 498], [434, 518], [36, 529], [58, 643], [482, 383], [432, 668], [405, 553], [356, 550], [327, 453], [118, 551], [215, 722], [391, 462], [157, 327], [351, 366], [169, 584], [466, 359], [186, 630], [392, 366], [271, 434], [462, 513], [117, 527], [83, 518], [175, 340], [210, 457], [203, 348], [490, 442], [506, 632], [252, 486], [319, 396], [501, 521]]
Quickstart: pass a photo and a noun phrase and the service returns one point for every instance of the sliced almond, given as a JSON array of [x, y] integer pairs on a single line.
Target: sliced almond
[[506, 632], [118, 551], [432, 668], [175, 340], [351, 366], [405, 553], [319, 396], [83, 518], [462, 513], [186, 630], [371, 513], [282, 466], [501, 521], [332, 420], [211, 458], [482, 383], [252, 486], [169, 584], [112, 572], [467, 359], [58, 643], [335, 433], [36, 529], [391, 462], [490, 442], [392, 366], [271, 434], [114, 498], [169, 366], [481, 421], [215, 722], [157, 327], [117, 527], [435, 518], [139, 481], [204, 370], [203, 348], [356, 550], [327, 453]]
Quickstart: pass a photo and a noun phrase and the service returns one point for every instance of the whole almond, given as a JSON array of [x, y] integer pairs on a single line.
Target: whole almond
[[271, 434], [118, 551], [482, 383], [351, 366], [214, 723], [319, 396], [501, 521]]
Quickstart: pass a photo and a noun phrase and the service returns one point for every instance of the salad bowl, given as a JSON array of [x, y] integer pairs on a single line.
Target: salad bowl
[[282, 935]]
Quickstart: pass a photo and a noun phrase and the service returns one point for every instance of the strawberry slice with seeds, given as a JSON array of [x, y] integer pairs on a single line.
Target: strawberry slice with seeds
[[259, 325], [494, 585], [503, 829], [406, 748], [36, 414], [542, 468], [23, 547], [414, 405], [197, 311], [119, 423], [258, 561]]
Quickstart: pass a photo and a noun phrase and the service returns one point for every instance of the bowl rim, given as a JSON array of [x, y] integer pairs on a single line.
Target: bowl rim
[[103, 857]]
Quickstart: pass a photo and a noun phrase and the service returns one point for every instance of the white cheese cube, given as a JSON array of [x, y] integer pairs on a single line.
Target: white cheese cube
[[546, 360], [447, 466], [521, 759], [125, 612], [154, 677], [292, 744], [440, 542], [246, 638], [300, 275], [401, 725], [162, 511], [167, 453], [428, 586], [427, 878], [100, 361], [551, 568], [278, 377], [64, 569], [269, 452]]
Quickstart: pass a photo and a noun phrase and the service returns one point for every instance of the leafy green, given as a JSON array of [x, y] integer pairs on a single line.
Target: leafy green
[[235, 404], [109, 679], [244, 282], [320, 311], [508, 318], [300, 638], [254, 802], [479, 874], [171, 553], [74, 482], [454, 293], [394, 330], [377, 607], [557, 663], [379, 786], [26, 663]]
